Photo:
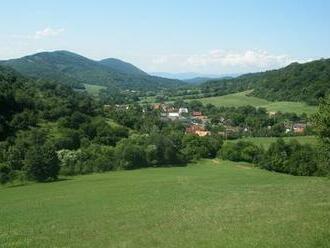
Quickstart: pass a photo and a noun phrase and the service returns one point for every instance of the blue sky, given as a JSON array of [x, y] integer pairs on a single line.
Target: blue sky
[[203, 36]]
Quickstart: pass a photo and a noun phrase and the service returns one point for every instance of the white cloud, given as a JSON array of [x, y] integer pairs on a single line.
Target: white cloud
[[48, 32], [222, 61], [254, 58]]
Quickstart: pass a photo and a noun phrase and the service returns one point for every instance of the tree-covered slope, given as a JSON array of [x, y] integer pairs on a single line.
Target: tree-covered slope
[[122, 67], [73, 69], [296, 82]]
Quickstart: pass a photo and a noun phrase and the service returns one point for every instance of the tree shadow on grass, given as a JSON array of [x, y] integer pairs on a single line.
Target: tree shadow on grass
[[26, 183]]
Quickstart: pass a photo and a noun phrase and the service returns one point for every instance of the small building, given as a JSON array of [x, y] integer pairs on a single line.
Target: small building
[[299, 127], [156, 106], [203, 133], [107, 108], [199, 116], [272, 113], [197, 130], [173, 116], [183, 111], [196, 113]]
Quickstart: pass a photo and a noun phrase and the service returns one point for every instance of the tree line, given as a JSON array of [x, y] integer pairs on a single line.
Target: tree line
[[48, 129]]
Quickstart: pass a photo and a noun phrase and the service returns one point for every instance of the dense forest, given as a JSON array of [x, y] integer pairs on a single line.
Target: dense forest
[[306, 82]]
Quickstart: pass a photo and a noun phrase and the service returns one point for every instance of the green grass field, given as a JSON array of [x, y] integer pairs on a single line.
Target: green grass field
[[266, 141], [241, 99], [93, 89], [210, 204]]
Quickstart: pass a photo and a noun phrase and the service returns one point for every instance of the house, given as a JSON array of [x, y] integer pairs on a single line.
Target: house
[[197, 130], [203, 133], [173, 115], [156, 106], [122, 107], [271, 113], [195, 114], [170, 109], [183, 111], [299, 127], [199, 116], [107, 108]]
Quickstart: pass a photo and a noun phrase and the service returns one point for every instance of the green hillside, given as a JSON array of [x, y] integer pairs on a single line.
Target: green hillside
[[122, 67], [297, 82], [73, 69], [210, 204], [243, 99], [93, 89]]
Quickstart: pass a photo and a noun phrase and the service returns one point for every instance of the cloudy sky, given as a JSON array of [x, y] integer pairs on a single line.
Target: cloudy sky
[[204, 36]]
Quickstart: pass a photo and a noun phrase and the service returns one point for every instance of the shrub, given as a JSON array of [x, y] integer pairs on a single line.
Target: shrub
[[41, 163], [5, 174], [241, 151]]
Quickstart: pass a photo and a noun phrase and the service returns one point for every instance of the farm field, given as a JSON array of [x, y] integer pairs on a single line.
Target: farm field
[[93, 89], [210, 204], [241, 99], [267, 141]]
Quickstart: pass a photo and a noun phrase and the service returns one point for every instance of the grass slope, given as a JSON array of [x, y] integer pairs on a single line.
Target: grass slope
[[93, 89], [267, 141], [241, 99], [212, 204]]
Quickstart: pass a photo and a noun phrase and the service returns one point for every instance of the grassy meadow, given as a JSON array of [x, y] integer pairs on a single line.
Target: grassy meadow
[[267, 141], [210, 204], [93, 89], [241, 99]]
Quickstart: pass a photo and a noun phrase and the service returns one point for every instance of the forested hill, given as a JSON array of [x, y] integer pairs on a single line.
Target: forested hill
[[74, 70], [297, 82], [122, 67]]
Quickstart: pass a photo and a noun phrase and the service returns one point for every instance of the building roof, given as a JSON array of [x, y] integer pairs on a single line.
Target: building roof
[[196, 113]]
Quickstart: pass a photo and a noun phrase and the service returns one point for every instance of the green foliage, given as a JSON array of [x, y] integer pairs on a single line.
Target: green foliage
[[292, 158], [5, 172], [297, 82], [75, 70], [322, 123], [195, 147], [322, 120], [41, 163], [94, 158], [122, 67], [241, 151]]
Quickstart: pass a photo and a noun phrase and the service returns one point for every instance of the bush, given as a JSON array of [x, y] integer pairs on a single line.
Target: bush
[[94, 158], [241, 151], [5, 174], [195, 147], [292, 158], [41, 163]]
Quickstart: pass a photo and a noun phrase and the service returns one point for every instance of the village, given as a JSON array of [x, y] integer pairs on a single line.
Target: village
[[198, 123]]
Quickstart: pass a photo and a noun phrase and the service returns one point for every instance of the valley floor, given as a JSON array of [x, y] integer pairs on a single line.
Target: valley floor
[[242, 99], [210, 204]]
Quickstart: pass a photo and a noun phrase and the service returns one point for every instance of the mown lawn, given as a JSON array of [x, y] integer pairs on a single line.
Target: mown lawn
[[209, 204], [267, 141], [241, 99]]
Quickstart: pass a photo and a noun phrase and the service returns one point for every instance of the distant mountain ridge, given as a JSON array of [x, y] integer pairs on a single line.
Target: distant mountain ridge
[[191, 75], [75, 70], [122, 67]]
